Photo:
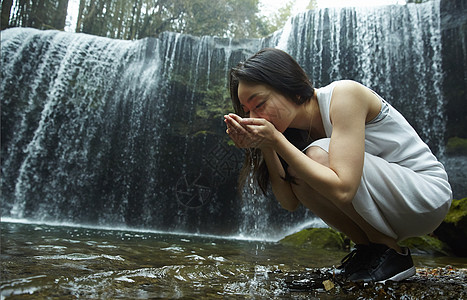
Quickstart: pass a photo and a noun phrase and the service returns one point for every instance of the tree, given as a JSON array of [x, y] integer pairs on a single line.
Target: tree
[[137, 19], [278, 20], [5, 15], [42, 14], [313, 4], [280, 17], [58, 18]]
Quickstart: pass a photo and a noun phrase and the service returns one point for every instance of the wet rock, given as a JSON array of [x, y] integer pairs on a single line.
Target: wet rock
[[428, 283], [456, 145], [427, 245], [319, 238], [453, 230]]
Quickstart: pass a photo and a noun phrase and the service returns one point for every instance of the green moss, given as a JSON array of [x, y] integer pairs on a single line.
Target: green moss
[[319, 238], [453, 230], [457, 211], [426, 244], [214, 103], [456, 145], [201, 132]]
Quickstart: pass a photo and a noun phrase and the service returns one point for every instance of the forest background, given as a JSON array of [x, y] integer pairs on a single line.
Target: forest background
[[137, 19]]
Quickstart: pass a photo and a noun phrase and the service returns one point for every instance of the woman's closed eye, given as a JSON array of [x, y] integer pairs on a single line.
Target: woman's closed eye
[[258, 107], [261, 106]]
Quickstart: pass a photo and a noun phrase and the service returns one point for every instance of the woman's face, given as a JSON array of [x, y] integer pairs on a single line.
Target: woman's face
[[262, 101]]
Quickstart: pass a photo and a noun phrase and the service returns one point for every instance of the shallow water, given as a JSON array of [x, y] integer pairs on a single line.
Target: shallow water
[[43, 261]]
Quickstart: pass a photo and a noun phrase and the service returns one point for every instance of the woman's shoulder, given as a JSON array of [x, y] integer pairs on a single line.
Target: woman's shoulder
[[349, 96], [348, 85], [344, 86], [349, 89], [343, 92]]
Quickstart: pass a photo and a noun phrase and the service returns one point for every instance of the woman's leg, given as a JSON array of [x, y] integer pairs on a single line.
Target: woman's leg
[[328, 212], [341, 216]]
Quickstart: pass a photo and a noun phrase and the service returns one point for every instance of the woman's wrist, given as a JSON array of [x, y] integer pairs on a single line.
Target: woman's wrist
[[276, 139], [270, 143]]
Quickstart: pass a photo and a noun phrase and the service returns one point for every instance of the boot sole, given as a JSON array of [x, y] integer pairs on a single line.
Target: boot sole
[[401, 276]]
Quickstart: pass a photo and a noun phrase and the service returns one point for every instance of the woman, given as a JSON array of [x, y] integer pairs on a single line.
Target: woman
[[365, 171]]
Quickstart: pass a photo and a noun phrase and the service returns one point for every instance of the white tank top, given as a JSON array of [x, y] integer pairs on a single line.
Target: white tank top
[[392, 138]]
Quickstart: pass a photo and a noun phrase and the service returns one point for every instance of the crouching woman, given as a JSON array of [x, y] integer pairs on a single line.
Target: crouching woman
[[343, 152]]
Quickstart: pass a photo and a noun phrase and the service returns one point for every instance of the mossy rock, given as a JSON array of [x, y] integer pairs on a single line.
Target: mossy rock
[[457, 145], [426, 245], [318, 238], [453, 230], [458, 212]]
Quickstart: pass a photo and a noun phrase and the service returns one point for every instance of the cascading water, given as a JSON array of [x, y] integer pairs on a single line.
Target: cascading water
[[130, 133], [395, 50]]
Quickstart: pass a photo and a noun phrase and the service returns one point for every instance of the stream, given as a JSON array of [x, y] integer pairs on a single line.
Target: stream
[[44, 261]]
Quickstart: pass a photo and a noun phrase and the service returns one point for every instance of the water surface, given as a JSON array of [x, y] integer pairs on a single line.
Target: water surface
[[40, 261]]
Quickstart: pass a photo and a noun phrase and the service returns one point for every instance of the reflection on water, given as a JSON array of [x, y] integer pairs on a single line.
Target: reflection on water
[[69, 262]]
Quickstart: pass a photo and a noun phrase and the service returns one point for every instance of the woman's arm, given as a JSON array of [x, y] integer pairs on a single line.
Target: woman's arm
[[244, 139], [281, 188], [339, 183]]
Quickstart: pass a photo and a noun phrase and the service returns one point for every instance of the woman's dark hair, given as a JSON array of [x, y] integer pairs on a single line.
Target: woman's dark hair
[[277, 69]]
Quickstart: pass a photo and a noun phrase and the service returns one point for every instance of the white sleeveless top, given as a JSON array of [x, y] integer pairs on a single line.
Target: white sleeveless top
[[401, 179]]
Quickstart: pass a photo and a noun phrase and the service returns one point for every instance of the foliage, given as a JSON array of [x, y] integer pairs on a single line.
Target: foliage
[[145, 18], [313, 4], [322, 238], [214, 104], [41, 14], [453, 230], [457, 211], [277, 21], [456, 145], [280, 17], [427, 245], [136, 19]]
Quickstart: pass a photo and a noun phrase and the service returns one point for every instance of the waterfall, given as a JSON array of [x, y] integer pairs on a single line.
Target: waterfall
[[130, 133], [394, 49]]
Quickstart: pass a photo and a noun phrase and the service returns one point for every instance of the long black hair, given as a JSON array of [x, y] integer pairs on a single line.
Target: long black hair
[[277, 69]]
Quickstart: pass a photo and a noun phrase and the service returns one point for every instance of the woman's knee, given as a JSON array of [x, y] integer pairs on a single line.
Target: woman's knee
[[318, 154]]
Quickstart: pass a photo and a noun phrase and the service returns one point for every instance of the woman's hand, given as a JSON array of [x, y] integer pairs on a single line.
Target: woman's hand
[[250, 132]]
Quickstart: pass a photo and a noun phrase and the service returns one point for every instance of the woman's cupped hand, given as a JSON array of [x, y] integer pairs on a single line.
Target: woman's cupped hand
[[250, 132]]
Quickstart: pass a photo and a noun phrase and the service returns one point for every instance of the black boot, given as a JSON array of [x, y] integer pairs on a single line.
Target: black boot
[[386, 264]]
